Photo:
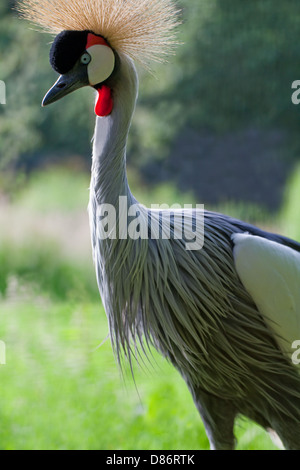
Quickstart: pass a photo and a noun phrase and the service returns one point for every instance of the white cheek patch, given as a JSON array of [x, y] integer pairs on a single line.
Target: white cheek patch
[[102, 64]]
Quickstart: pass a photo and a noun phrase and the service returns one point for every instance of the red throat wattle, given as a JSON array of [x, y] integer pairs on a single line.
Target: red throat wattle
[[104, 104]]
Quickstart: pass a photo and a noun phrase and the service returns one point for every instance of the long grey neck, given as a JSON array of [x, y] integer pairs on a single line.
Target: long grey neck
[[109, 178]]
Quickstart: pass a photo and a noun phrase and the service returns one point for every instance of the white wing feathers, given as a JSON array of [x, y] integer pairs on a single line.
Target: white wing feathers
[[270, 272]]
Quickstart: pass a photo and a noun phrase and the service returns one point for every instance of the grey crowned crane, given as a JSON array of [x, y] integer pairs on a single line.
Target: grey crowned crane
[[226, 315]]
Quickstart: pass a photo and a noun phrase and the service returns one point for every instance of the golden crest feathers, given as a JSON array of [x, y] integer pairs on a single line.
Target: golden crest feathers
[[142, 29]]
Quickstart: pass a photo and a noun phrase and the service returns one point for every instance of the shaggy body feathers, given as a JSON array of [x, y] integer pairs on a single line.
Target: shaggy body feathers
[[190, 305]]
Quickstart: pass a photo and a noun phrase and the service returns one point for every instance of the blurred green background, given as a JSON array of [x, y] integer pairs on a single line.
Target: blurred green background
[[216, 126]]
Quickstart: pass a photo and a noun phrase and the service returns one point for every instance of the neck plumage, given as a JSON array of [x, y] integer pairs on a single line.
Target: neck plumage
[[109, 178]]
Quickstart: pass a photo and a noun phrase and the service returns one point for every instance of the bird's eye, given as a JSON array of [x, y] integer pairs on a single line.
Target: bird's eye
[[85, 58]]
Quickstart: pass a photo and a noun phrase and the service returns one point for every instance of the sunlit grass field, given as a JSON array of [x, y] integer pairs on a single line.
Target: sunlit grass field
[[59, 390], [60, 386]]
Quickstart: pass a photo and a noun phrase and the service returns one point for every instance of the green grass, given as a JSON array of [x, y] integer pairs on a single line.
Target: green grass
[[56, 189], [44, 268], [58, 389]]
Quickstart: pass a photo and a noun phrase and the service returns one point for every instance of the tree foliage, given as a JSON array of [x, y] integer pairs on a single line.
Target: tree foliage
[[234, 70]]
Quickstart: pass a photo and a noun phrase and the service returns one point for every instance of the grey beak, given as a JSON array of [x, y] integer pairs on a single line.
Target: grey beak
[[66, 84]]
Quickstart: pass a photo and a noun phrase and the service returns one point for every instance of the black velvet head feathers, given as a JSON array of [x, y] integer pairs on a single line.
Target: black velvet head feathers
[[66, 50]]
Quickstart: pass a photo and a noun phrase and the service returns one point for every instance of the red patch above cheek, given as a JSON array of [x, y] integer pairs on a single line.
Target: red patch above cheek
[[104, 104], [92, 40]]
